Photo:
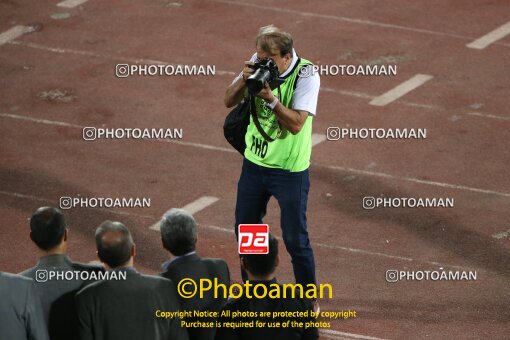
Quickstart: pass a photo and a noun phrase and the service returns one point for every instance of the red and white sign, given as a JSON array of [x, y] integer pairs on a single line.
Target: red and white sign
[[253, 238]]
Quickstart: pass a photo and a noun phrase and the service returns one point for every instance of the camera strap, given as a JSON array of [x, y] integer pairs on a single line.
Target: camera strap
[[253, 111]]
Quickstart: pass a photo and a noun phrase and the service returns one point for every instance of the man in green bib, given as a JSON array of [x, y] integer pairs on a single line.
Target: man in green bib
[[279, 168]]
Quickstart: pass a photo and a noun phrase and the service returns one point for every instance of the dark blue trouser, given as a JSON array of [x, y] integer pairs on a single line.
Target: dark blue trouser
[[256, 185]]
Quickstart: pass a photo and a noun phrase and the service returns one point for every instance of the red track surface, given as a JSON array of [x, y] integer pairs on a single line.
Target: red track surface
[[464, 108]]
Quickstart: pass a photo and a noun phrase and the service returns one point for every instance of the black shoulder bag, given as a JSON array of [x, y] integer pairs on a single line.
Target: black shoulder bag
[[237, 121]]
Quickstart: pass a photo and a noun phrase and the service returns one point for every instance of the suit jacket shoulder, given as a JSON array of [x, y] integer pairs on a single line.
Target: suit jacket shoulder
[[60, 262], [158, 281], [15, 280], [135, 279], [21, 314], [196, 267], [216, 262]]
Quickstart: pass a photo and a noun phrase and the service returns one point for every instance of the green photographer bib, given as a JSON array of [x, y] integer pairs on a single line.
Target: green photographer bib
[[288, 151]]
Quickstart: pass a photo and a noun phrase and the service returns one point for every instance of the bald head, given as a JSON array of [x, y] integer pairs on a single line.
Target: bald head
[[114, 244]]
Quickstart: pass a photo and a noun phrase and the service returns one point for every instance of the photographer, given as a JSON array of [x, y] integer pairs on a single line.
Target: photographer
[[279, 168]]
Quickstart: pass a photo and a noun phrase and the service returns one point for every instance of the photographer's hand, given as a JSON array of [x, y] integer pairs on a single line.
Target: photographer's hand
[[267, 94], [247, 70], [235, 92]]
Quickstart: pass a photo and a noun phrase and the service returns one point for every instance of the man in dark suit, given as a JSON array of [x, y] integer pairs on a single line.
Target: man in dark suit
[[260, 269], [21, 315], [49, 232], [179, 237], [126, 309]]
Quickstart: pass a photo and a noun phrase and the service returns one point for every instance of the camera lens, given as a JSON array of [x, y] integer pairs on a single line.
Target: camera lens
[[266, 70], [255, 82]]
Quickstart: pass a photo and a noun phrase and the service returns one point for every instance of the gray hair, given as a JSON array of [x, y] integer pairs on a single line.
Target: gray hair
[[272, 40], [178, 232]]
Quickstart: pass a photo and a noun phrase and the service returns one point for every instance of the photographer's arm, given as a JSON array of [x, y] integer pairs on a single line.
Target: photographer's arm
[[235, 92], [291, 120]]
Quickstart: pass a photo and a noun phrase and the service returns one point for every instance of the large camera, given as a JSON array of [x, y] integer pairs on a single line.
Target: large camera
[[265, 70]]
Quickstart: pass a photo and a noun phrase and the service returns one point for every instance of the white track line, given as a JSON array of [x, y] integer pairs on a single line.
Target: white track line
[[231, 231], [230, 150], [318, 138], [344, 335], [28, 197], [71, 3], [329, 336], [416, 180], [104, 56], [198, 145], [40, 121], [13, 33], [501, 235], [347, 19], [200, 204], [491, 37], [57, 123], [486, 115], [400, 90], [435, 108], [193, 207], [55, 202], [360, 95], [354, 94]]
